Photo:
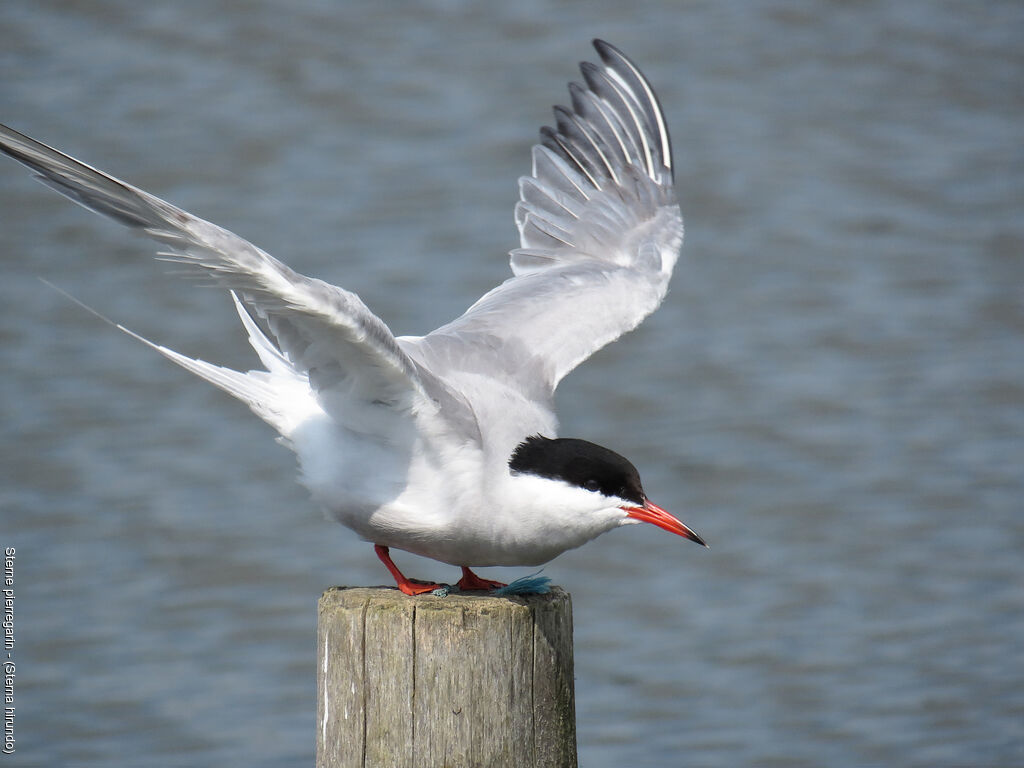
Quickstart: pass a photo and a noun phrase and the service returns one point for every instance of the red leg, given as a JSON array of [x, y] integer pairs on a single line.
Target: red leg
[[408, 586], [470, 580]]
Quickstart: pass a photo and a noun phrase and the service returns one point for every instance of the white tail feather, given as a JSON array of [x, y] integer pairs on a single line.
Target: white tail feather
[[281, 396]]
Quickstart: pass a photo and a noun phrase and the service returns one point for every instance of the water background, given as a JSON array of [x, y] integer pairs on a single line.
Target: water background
[[832, 394]]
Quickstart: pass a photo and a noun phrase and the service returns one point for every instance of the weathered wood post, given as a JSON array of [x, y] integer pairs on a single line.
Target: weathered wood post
[[453, 681]]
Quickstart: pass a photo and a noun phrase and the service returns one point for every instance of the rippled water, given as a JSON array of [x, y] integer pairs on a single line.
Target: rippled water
[[832, 394]]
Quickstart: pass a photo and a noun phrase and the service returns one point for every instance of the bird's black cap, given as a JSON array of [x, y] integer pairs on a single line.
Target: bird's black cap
[[578, 462]]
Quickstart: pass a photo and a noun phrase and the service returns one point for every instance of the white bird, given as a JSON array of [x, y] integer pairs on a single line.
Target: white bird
[[445, 445]]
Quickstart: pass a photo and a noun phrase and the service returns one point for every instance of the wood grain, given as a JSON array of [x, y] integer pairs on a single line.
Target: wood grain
[[458, 681]]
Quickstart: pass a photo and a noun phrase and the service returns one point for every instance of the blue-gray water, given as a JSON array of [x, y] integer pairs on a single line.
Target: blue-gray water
[[832, 394]]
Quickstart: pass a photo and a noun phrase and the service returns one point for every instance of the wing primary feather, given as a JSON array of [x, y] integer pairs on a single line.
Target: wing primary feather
[[618, 63], [583, 120], [598, 85], [542, 155], [529, 187], [579, 147], [569, 152], [623, 104], [609, 120]]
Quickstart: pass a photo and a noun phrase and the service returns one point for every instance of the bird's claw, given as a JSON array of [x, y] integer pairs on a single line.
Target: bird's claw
[[470, 582]]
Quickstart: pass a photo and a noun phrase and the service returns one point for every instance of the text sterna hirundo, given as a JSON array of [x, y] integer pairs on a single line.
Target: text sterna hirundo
[[445, 445]]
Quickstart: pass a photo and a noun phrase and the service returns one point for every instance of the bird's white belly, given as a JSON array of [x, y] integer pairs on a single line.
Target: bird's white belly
[[417, 488], [398, 497], [474, 530]]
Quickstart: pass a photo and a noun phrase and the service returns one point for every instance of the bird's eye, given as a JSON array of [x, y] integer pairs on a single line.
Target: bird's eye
[[592, 485]]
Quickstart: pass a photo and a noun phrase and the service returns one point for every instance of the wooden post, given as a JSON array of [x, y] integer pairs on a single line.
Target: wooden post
[[453, 681]]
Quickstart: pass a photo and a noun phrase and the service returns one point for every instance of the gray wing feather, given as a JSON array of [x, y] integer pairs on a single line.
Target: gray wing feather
[[600, 233], [324, 331]]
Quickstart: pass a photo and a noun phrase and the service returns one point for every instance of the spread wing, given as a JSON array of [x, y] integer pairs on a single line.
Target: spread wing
[[600, 232], [324, 332]]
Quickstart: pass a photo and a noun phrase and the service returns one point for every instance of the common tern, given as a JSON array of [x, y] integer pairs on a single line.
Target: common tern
[[445, 445]]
